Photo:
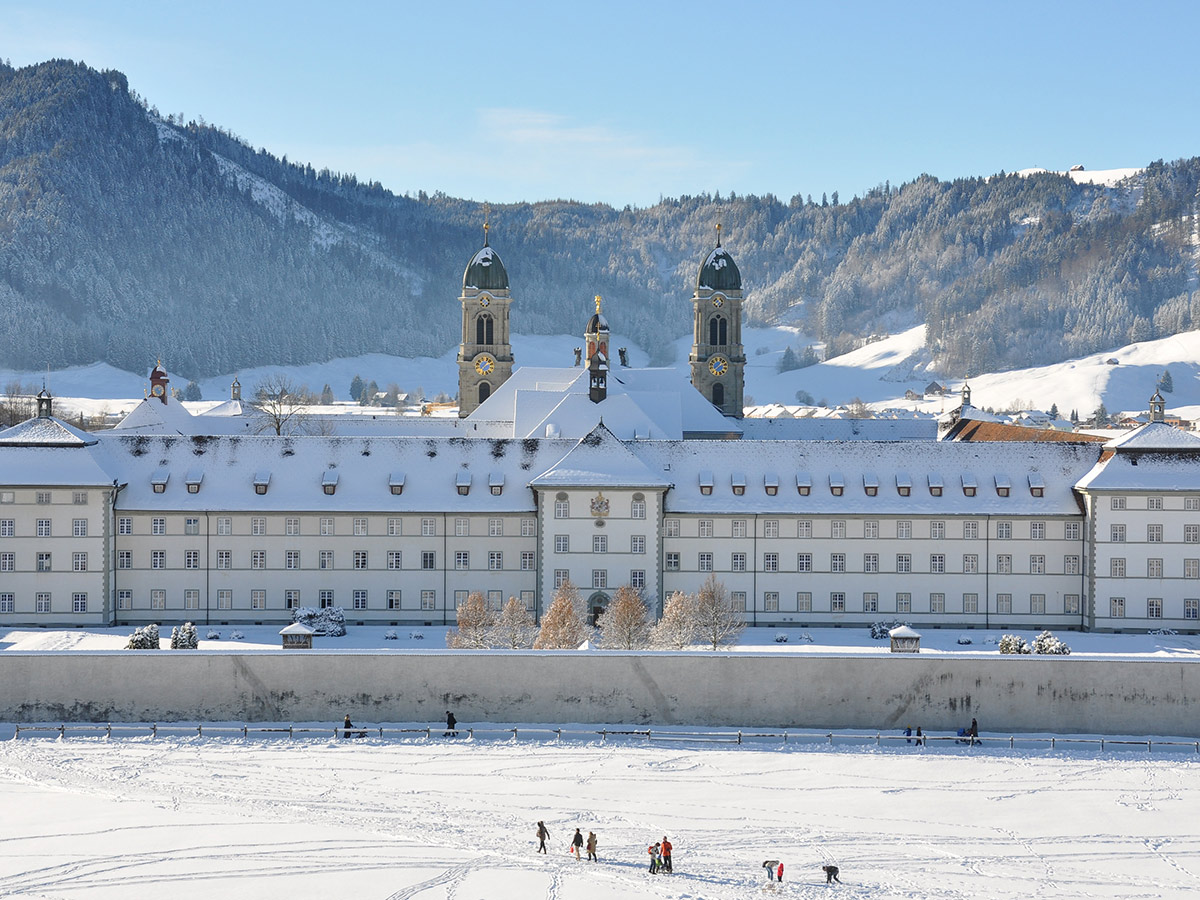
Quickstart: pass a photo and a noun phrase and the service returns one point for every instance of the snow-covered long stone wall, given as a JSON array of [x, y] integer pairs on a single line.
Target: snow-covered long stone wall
[[1012, 694]]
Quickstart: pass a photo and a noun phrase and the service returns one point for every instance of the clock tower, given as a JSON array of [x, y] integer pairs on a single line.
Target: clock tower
[[717, 359], [485, 356]]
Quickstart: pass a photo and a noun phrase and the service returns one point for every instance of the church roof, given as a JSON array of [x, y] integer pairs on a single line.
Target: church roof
[[485, 271], [600, 460], [719, 272], [1155, 436], [152, 416], [45, 432]]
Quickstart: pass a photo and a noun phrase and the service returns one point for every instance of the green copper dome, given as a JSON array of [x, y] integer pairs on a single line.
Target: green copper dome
[[719, 272], [486, 272]]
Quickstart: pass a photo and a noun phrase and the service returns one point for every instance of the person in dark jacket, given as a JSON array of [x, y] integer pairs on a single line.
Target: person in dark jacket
[[346, 726], [542, 834], [451, 725], [577, 843], [974, 732], [831, 874]]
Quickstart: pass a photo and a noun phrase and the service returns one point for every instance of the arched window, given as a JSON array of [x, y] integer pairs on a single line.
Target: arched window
[[483, 329], [562, 506], [485, 391], [718, 395], [718, 331]]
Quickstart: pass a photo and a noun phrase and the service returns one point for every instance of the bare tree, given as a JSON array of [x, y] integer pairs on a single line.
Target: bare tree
[[475, 621], [280, 404], [717, 621], [17, 405], [625, 625], [514, 629], [677, 627], [563, 626]]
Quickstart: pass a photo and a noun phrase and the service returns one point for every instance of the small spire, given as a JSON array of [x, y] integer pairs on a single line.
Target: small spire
[[597, 304], [487, 214], [718, 234]]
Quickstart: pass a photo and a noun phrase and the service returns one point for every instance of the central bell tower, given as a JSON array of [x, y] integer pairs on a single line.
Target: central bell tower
[[485, 359], [717, 358]]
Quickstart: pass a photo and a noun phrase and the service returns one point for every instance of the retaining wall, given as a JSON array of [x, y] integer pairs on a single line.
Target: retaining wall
[[1009, 694]]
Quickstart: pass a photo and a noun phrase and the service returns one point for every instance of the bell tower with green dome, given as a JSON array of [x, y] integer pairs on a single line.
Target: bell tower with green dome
[[717, 358], [485, 356]]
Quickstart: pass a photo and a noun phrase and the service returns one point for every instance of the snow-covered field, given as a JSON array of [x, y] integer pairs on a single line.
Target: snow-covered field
[[454, 820]]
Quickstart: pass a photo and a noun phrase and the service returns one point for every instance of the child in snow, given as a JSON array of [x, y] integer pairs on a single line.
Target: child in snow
[[831, 874], [770, 865], [542, 834], [576, 843], [591, 846], [779, 873], [653, 850]]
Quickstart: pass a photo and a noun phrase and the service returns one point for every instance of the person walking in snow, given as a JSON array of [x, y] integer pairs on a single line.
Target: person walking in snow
[[591, 846], [346, 726], [653, 851], [666, 854], [974, 732], [831, 874], [577, 843], [542, 834], [770, 865], [451, 725]]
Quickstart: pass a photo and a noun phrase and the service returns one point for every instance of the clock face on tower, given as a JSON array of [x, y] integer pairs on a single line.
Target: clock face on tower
[[157, 390], [718, 301], [485, 365], [718, 365], [485, 300]]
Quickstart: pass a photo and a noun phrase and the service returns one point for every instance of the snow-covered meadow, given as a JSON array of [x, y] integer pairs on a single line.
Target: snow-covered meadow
[[444, 818]]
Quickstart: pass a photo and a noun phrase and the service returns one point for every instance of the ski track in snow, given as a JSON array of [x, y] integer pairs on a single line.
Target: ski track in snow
[[201, 817]]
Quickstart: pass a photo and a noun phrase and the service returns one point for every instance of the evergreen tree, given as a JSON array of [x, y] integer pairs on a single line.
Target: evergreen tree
[[327, 396], [1100, 416], [625, 624], [1053, 411], [1166, 383], [475, 621], [563, 625], [192, 391], [788, 361], [356, 388]]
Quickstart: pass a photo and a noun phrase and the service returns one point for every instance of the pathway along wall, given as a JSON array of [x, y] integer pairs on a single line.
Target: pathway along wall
[[1006, 694]]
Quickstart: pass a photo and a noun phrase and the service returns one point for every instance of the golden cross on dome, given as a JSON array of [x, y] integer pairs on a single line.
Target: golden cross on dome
[[487, 213], [718, 234], [597, 304]]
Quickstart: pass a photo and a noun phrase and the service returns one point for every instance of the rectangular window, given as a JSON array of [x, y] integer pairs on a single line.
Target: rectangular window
[[904, 529], [739, 528], [1071, 604], [360, 559], [124, 599], [460, 597], [359, 599], [462, 527], [1154, 534], [224, 599], [837, 602], [1037, 604], [462, 559], [904, 602], [1116, 534], [1116, 607], [428, 528], [360, 527], [903, 562], [937, 603], [258, 526], [803, 562], [1037, 531], [495, 527], [79, 527], [394, 527], [771, 562], [1004, 604], [1191, 608], [561, 577], [599, 543], [224, 526], [1154, 568], [224, 559], [428, 600], [671, 561], [79, 602], [258, 599], [158, 526], [637, 543], [79, 498], [1154, 503], [871, 562], [937, 530], [327, 526], [1071, 564], [291, 599], [79, 562], [1191, 534], [291, 526], [970, 603], [8, 527], [1071, 531], [8, 562], [771, 601], [43, 528], [42, 498], [495, 560], [937, 563], [771, 528], [871, 529], [395, 560], [1191, 503], [394, 600], [599, 578], [804, 528], [562, 543], [562, 508], [1154, 607], [706, 528], [528, 527], [191, 559], [292, 559], [637, 579], [705, 562], [158, 599], [258, 559], [1004, 531], [970, 563], [1191, 568], [837, 562], [325, 559], [44, 562], [8, 496], [637, 509], [671, 527], [838, 529], [1116, 567], [158, 559], [325, 598], [527, 560], [803, 601], [1004, 564], [1037, 564], [870, 602], [1118, 502], [971, 530], [737, 599], [737, 562]]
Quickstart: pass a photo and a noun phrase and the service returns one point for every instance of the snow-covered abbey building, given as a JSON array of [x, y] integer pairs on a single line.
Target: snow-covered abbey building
[[603, 475]]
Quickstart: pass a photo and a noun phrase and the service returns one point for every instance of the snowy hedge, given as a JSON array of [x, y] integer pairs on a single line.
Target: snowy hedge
[[144, 638], [1047, 643], [881, 631], [330, 621], [1013, 643], [184, 637]]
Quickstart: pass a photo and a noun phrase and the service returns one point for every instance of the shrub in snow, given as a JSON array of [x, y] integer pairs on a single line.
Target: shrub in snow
[[144, 638], [1013, 643], [1047, 643], [236, 636], [213, 635], [184, 637], [1165, 632], [330, 621], [416, 636], [805, 636], [390, 635], [781, 637], [881, 631], [964, 639], [475, 621]]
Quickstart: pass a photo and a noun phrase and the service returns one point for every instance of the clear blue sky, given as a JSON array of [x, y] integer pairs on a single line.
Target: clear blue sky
[[622, 102]]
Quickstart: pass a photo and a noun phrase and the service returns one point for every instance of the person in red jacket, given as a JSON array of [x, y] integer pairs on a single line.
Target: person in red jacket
[[779, 874], [666, 854]]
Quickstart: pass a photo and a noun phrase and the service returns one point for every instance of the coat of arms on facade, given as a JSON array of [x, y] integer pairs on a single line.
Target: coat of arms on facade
[[600, 505]]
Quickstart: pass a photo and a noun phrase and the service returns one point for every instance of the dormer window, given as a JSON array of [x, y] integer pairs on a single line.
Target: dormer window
[[1037, 487], [706, 483], [496, 483], [158, 481], [870, 484], [1003, 486], [803, 484], [935, 485], [462, 481], [193, 481], [738, 483], [837, 484], [968, 485], [903, 484], [261, 481], [396, 483], [329, 481], [771, 485]]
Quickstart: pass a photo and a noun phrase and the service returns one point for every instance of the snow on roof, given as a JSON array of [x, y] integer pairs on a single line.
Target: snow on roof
[[45, 432], [903, 631], [297, 628], [152, 416], [812, 428], [600, 460], [41, 465], [1155, 436]]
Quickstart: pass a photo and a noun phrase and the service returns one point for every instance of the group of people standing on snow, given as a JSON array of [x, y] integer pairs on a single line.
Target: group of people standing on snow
[[660, 857]]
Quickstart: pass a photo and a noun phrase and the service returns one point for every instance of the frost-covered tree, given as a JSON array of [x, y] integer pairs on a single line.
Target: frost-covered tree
[[564, 625], [184, 637], [144, 638], [677, 627], [625, 625], [717, 620], [1013, 644], [1047, 644], [475, 621], [514, 628], [328, 622]]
